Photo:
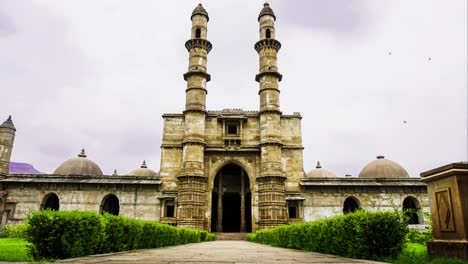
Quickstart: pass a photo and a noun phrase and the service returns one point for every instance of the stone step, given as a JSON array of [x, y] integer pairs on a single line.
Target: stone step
[[231, 236]]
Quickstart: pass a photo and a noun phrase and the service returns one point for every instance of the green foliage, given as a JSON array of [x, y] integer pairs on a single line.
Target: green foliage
[[415, 236], [67, 234], [415, 253], [361, 234], [14, 231], [14, 250]]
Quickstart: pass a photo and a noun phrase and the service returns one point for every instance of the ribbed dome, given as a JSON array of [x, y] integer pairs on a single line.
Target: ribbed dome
[[78, 166], [266, 11], [383, 168], [320, 172], [200, 10], [143, 171]]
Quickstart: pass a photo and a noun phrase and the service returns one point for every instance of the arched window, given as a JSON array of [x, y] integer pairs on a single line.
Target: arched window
[[351, 204], [268, 33], [110, 204], [50, 201], [411, 209], [197, 33]]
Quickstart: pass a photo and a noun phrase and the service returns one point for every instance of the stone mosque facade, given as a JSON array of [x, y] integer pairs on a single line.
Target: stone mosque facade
[[223, 171]]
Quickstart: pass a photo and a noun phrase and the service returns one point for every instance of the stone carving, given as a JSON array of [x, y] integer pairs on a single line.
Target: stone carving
[[445, 211]]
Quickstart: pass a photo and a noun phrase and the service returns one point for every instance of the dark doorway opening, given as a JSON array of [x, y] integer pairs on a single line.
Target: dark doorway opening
[[351, 204], [411, 209], [231, 207], [110, 204], [50, 201]]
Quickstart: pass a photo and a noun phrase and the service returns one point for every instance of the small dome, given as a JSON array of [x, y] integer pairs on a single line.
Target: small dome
[[320, 172], [8, 124], [266, 11], [78, 166], [383, 168], [200, 10], [143, 171]]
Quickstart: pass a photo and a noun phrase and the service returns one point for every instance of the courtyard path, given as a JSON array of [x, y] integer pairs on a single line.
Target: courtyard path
[[221, 251]]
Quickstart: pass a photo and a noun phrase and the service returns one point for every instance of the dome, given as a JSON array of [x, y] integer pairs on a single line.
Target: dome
[[8, 124], [200, 10], [143, 171], [78, 166], [320, 172], [383, 168], [266, 11]]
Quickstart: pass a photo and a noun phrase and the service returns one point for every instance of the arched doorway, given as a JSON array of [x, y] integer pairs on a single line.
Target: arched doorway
[[351, 204], [411, 209], [50, 201], [231, 206], [110, 204]]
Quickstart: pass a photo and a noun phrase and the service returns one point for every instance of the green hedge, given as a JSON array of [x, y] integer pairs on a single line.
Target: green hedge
[[14, 231], [368, 235], [68, 234]]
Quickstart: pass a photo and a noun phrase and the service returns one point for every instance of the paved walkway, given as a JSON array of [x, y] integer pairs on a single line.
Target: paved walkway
[[221, 251]]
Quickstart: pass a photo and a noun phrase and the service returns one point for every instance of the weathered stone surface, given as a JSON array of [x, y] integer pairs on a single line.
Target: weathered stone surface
[[221, 251], [448, 193]]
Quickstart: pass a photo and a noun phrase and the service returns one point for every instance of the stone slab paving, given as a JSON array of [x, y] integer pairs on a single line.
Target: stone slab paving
[[221, 251]]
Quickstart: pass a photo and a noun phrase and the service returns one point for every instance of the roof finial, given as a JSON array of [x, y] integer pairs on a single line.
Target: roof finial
[[266, 11], [200, 10], [380, 157], [82, 154], [318, 165], [144, 165], [8, 124], [115, 173]]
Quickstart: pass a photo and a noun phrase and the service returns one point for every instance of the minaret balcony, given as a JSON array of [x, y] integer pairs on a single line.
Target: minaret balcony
[[198, 43], [270, 43]]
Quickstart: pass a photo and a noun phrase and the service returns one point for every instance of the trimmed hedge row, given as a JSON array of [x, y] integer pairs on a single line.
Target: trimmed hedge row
[[368, 235], [68, 234]]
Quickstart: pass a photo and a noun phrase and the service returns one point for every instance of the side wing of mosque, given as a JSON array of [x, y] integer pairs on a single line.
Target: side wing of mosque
[[230, 170]]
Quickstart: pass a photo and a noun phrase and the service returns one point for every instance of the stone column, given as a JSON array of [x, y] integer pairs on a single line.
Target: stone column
[[271, 186], [7, 137], [192, 183], [447, 187], [219, 223], [242, 212]]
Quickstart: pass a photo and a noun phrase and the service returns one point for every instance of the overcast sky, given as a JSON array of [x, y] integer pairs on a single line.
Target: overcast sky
[[99, 74]]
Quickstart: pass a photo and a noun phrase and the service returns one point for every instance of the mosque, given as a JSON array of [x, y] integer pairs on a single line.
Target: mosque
[[228, 170]]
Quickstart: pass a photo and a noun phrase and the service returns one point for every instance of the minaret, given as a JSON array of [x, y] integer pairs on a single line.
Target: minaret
[[192, 182], [7, 137], [271, 181]]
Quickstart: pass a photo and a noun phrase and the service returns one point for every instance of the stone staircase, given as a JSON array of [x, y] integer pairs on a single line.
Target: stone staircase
[[231, 236]]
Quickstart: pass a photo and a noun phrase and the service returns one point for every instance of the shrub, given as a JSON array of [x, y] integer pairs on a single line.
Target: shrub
[[67, 234], [361, 234], [14, 231], [414, 236]]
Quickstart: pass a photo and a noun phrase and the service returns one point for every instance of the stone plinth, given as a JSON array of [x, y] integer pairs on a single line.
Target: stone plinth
[[448, 193]]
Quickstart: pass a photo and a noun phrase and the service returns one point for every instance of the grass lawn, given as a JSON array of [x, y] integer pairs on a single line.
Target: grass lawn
[[14, 250], [414, 253]]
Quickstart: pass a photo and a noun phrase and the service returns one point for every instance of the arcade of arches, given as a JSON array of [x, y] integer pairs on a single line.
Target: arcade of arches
[[231, 208]]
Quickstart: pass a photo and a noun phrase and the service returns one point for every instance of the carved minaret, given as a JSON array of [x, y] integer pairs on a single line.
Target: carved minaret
[[271, 182], [7, 137], [192, 181]]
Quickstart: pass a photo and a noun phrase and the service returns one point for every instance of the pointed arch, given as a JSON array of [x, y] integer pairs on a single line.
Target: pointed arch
[[50, 201], [351, 204], [267, 33], [110, 204], [198, 33]]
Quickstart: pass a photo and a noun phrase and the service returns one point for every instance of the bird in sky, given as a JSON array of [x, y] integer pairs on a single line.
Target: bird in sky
[[404, 121]]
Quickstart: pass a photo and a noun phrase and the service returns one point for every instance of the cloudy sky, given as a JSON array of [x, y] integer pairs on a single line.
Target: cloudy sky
[[99, 74]]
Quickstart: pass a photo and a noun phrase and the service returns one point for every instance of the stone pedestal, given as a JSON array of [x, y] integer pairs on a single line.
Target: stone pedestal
[[448, 193]]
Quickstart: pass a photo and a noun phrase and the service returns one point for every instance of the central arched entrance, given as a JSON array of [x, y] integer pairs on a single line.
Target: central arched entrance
[[231, 207]]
